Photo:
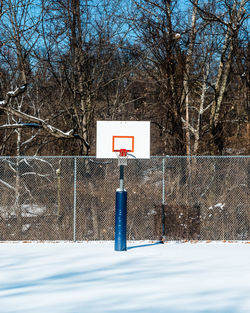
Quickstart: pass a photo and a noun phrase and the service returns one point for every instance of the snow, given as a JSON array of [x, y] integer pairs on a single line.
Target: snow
[[149, 277], [11, 93], [26, 211], [217, 206]]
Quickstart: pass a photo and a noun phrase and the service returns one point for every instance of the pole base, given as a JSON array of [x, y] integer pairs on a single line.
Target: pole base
[[121, 221]]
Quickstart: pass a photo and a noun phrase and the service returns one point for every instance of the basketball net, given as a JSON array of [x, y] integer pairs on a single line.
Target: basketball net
[[122, 156]]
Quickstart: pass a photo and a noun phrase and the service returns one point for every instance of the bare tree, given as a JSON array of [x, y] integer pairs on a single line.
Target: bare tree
[[229, 18], [156, 28], [68, 63], [187, 72], [81, 58]]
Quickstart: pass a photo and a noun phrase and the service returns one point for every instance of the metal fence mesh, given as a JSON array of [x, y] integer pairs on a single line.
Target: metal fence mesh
[[73, 198]]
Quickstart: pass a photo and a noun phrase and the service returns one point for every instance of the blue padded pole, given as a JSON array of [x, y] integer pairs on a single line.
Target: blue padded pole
[[121, 220]]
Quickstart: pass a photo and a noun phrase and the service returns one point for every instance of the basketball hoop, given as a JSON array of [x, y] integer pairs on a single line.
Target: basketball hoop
[[122, 156], [122, 139]]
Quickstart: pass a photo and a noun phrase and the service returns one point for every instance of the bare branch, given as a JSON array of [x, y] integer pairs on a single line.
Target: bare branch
[[33, 121], [190, 127], [19, 125], [13, 94], [208, 15], [6, 184]]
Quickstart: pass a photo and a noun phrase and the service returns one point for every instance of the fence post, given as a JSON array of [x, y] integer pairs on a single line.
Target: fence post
[[74, 225], [163, 201]]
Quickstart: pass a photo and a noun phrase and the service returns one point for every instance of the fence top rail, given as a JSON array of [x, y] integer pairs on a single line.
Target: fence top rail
[[201, 156], [152, 157]]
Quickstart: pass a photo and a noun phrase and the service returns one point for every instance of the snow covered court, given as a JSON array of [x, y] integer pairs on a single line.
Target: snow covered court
[[150, 277]]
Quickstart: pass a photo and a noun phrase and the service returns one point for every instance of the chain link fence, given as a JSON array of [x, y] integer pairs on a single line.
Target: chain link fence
[[73, 198]]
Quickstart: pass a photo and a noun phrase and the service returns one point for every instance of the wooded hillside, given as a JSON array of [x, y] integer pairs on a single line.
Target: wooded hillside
[[183, 65]]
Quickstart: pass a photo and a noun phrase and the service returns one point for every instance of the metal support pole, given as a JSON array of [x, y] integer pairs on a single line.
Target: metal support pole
[[163, 201], [74, 225], [121, 215], [121, 177]]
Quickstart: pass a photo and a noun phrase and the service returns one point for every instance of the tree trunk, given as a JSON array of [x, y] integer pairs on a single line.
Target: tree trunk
[[186, 90]]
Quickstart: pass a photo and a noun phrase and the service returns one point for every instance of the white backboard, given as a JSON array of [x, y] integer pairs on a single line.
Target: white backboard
[[133, 136]]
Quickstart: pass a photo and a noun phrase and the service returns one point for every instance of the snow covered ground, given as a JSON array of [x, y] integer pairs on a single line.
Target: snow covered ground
[[149, 277]]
